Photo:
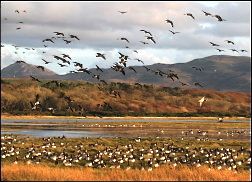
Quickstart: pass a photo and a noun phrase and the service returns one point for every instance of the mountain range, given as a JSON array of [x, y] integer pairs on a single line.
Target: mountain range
[[217, 72]]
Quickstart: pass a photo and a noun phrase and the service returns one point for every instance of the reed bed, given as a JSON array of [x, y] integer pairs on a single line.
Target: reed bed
[[33, 172]]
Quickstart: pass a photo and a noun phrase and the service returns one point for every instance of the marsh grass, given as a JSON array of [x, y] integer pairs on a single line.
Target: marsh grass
[[23, 172]]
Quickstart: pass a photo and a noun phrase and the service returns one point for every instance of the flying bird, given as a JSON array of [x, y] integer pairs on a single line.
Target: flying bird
[[20, 62], [190, 14], [49, 40], [98, 68], [74, 37], [243, 50], [123, 38], [16, 11], [96, 76], [229, 42], [151, 38], [122, 12], [62, 65], [77, 64], [85, 70], [144, 42], [213, 44], [67, 41], [139, 60], [18, 28], [219, 18], [197, 68], [234, 50], [46, 62], [145, 31], [202, 100], [35, 79], [59, 33], [169, 21], [66, 56], [101, 55], [207, 14], [220, 50], [131, 68], [198, 84], [173, 32], [41, 67]]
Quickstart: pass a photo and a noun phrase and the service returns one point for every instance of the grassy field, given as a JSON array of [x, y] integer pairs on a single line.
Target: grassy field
[[166, 173]]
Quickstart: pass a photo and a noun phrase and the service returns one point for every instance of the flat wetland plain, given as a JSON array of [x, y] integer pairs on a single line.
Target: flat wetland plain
[[133, 148]]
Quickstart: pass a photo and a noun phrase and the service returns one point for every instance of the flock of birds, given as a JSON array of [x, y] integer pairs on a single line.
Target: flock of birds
[[128, 156], [120, 66]]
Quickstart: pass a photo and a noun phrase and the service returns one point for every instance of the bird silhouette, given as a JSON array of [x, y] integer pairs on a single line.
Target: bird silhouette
[[213, 44], [123, 38], [18, 28], [62, 65], [169, 21], [139, 60], [190, 14], [234, 50], [122, 12], [66, 56], [229, 42], [207, 14], [145, 31], [101, 55], [20, 62], [85, 70], [173, 32], [198, 84], [49, 40], [151, 38], [74, 37], [243, 50], [96, 76], [144, 42], [220, 50], [46, 62], [35, 79], [41, 67], [98, 68], [59, 33], [197, 68], [219, 18], [67, 41], [16, 11], [131, 68], [78, 64]]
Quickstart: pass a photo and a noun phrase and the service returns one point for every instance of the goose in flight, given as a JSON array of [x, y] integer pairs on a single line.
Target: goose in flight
[[74, 37], [18, 28], [213, 44], [220, 50], [122, 56], [145, 31], [49, 40], [198, 84], [151, 38], [67, 41], [20, 62], [85, 70], [131, 68], [46, 62], [66, 56], [207, 14], [77, 64], [229, 42], [219, 18], [101, 55], [139, 60], [234, 50], [190, 14], [96, 76], [202, 100], [59, 33], [197, 68], [122, 12], [243, 50], [62, 65], [16, 11], [123, 38], [169, 21], [144, 42], [35, 79], [173, 32], [41, 67], [98, 68]]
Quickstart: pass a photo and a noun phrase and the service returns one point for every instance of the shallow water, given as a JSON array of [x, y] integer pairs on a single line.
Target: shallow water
[[29, 127]]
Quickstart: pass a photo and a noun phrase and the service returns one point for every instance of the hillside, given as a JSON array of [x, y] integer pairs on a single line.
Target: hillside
[[117, 99], [219, 72]]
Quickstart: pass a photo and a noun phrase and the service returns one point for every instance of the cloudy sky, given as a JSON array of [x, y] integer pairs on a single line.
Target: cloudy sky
[[100, 25]]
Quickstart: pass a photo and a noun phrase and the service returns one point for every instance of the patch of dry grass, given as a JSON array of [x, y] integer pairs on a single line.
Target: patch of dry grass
[[23, 172]]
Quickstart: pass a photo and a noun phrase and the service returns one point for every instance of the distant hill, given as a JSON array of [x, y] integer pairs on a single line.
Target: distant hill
[[220, 73], [24, 70]]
